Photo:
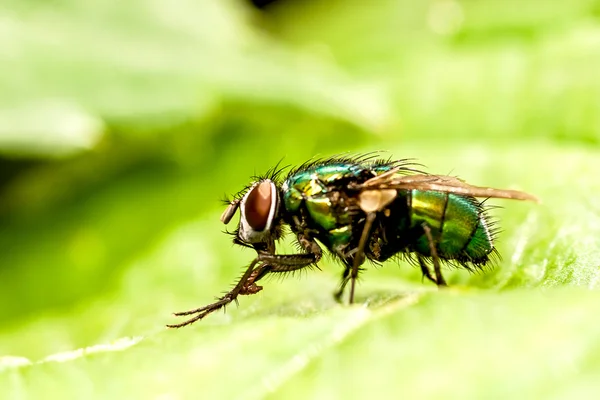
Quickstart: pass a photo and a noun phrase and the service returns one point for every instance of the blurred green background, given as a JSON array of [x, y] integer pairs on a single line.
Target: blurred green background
[[123, 125]]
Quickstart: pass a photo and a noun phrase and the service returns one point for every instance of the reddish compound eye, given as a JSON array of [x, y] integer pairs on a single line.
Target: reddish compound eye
[[257, 206]]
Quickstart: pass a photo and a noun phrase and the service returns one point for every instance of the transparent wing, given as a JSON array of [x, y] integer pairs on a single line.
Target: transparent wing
[[439, 183]]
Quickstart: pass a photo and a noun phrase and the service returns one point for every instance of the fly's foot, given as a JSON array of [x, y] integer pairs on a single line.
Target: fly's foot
[[337, 296], [247, 289], [202, 311]]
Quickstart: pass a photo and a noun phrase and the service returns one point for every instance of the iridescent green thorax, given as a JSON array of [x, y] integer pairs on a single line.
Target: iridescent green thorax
[[314, 181], [314, 189]]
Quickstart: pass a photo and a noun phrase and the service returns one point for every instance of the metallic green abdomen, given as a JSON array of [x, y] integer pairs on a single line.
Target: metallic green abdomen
[[457, 224]]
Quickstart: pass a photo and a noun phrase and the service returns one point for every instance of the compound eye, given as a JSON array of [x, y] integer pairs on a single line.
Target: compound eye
[[257, 206]]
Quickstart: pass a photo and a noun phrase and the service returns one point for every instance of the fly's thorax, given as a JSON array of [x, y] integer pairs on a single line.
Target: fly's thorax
[[316, 183], [313, 196], [259, 208], [318, 199], [321, 193], [292, 197]]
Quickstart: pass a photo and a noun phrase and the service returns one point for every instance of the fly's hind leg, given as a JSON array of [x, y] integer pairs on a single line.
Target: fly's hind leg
[[425, 269], [439, 278]]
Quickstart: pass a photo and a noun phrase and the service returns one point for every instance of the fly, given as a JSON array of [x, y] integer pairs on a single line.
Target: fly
[[359, 208]]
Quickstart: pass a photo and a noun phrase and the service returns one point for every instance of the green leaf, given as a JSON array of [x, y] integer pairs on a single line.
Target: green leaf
[[100, 249], [68, 67], [531, 313]]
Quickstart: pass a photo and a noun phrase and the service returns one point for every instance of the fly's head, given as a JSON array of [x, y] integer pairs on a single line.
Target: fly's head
[[260, 219]]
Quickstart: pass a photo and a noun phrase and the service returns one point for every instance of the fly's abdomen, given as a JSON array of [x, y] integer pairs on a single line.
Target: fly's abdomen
[[457, 223]]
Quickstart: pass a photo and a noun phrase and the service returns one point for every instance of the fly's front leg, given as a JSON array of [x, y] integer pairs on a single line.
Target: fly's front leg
[[267, 263], [282, 263], [220, 303]]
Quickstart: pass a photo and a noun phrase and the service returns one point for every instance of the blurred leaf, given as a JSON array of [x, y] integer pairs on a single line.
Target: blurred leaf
[[48, 129], [99, 60], [466, 68]]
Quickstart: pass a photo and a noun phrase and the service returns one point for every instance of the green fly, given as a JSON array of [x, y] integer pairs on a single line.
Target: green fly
[[359, 208]]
